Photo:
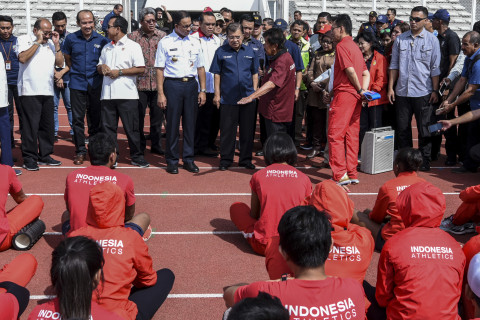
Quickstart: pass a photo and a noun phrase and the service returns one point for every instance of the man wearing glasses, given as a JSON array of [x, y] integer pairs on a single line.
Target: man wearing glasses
[[392, 22], [179, 59], [82, 50], [416, 65], [148, 37], [38, 54]]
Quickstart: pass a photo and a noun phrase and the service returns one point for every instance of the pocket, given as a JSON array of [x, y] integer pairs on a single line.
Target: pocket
[[426, 53], [428, 118]]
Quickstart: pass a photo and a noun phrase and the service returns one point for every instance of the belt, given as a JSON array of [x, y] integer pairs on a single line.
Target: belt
[[184, 79]]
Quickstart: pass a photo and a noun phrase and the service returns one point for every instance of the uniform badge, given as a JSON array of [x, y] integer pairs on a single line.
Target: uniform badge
[[374, 62], [174, 59], [269, 70]]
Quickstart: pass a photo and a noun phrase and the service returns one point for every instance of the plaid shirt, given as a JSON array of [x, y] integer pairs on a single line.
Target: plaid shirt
[[148, 80]]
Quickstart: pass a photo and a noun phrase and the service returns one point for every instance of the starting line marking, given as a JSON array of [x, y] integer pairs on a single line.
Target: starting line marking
[[216, 194], [169, 233], [171, 296]]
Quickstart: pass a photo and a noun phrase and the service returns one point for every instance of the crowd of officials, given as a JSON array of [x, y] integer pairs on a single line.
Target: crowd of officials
[[213, 76]]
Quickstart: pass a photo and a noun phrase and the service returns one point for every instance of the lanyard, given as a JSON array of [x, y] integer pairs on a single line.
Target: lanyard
[[9, 50]]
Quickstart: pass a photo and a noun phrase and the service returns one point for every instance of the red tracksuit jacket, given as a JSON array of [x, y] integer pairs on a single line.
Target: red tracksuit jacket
[[420, 270], [127, 260]]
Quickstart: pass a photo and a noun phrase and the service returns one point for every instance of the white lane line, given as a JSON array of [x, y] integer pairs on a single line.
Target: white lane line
[[169, 233], [166, 194], [171, 296]]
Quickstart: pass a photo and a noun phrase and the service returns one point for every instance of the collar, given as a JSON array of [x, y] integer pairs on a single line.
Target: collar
[[122, 41], [242, 47], [177, 37], [279, 53], [421, 35], [143, 33], [11, 39], [202, 35], [80, 35], [476, 53]]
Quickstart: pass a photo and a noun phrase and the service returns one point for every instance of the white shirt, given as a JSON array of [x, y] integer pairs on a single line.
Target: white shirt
[[3, 84], [208, 46], [35, 77], [179, 56], [124, 54]]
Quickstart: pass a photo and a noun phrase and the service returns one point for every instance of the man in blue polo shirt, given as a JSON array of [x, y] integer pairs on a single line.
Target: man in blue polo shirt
[[117, 10], [7, 47], [82, 50], [236, 76], [248, 23]]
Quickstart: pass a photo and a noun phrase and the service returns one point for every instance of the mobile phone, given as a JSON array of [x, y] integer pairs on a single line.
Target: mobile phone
[[442, 89], [439, 111], [435, 127]]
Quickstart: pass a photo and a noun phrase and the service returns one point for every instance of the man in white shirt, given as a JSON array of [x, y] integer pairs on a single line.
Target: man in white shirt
[[120, 62], [208, 117], [179, 59], [38, 54]]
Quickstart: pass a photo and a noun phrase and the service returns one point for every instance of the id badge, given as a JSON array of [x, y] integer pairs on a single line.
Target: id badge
[[8, 65]]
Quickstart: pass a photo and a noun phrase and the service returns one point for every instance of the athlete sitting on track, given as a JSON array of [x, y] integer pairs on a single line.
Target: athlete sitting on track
[[352, 245], [467, 215], [275, 189], [127, 261], [76, 271], [103, 156], [305, 240], [384, 220]]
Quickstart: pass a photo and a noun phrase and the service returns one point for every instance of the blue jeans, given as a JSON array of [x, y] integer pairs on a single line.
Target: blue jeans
[[6, 157], [66, 101]]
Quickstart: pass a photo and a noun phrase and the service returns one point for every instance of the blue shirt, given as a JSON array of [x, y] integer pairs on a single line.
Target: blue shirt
[[417, 61], [7, 47], [257, 47], [105, 21], [236, 70], [473, 78], [84, 55]]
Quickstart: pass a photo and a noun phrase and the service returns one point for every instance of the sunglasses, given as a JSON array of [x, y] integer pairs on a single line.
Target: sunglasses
[[385, 30], [219, 24], [416, 19], [227, 20], [150, 21]]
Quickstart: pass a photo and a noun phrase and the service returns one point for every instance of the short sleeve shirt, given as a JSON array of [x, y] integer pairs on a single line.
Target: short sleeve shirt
[[277, 105], [473, 78], [279, 187], [124, 54], [84, 55], [79, 183], [9, 184], [332, 298], [449, 46], [236, 69], [347, 55], [35, 77], [180, 57]]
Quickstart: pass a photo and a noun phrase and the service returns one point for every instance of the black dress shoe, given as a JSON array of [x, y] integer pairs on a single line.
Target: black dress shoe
[[190, 167], [425, 167], [156, 151], [223, 168], [172, 168], [450, 163], [249, 165], [259, 153], [208, 153]]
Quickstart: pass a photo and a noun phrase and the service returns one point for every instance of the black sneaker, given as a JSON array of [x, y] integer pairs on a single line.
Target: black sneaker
[[49, 162], [140, 163], [306, 146], [18, 172], [30, 166]]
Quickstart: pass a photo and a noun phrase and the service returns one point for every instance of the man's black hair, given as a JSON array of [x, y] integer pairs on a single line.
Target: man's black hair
[[246, 17], [117, 6], [279, 147], [275, 36], [421, 9], [297, 11], [298, 23], [6, 19], [305, 236], [179, 15], [409, 159], [343, 20], [263, 307], [326, 15], [121, 22], [476, 26], [59, 15], [100, 147], [394, 11], [204, 14], [224, 9], [233, 27], [268, 21], [84, 11]]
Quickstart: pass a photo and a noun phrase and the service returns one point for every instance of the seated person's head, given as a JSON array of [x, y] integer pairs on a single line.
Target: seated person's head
[[407, 160], [421, 205], [101, 150], [279, 148], [76, 271], [473, 288], [263, 307], [305, 237]]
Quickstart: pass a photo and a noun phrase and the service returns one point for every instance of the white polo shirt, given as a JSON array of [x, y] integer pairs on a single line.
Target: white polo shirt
[[209, 45], [35, 77], [124, 54], [179, 56], [3, 84]]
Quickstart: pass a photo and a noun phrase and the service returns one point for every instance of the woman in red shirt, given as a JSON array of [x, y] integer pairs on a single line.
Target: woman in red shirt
[[275, 189]]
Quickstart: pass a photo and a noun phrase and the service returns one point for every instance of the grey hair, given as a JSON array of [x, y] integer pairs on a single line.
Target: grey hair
[[144, 12]]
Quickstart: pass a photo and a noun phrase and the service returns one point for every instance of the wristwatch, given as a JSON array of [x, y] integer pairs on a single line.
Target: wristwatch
[[297, 88], [120, 72], [36, 42], [358, 91], [203, 90]]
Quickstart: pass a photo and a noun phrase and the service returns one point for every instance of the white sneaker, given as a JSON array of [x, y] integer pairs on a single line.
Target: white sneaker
[[345, 180], [354, 181]]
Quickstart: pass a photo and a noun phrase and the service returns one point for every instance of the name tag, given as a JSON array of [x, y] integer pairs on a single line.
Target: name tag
[[227, 57], [96, 45], [8, 65], [248, 57], [174, 49]]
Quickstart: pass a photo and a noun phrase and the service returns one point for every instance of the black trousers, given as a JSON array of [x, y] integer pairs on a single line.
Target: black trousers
[[85, 102], [317, 127], [38, 128], [272, 127], [375, 311], [405, 108], [149, 99], [232, 116], [149, 299], [207, 125], [127, 111], [182, 104], [13, 96], [473, 138]]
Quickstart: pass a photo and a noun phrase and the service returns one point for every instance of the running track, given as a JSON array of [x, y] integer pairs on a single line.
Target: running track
[[190, 215]]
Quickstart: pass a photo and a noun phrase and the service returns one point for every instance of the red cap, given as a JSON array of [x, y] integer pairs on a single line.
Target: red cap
[[325, 28], [207, 9]]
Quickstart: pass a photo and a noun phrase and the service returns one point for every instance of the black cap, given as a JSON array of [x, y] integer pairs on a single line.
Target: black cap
[[257, 19]]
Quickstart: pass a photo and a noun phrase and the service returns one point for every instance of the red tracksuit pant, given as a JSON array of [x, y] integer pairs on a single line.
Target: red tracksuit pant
[[240, 216], [19, 271]]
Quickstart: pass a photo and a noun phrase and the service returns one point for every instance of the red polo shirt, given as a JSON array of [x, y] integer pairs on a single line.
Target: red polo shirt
[[347, 54]]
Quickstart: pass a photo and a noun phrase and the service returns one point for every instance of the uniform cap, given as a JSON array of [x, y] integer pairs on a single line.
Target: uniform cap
[[280, 24], [442, 14]]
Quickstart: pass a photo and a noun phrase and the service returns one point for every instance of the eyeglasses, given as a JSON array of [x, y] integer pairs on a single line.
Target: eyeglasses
[[234, 37], [416, 19], [326, 42], [109, 26], [227, 20], [219, 24], [47, 34], [150, 21], [385, 30]]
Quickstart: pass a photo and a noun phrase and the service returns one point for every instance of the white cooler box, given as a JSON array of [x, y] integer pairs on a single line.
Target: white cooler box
[[377, 150]]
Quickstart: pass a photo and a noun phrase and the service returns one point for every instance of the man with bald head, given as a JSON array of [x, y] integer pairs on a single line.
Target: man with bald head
[[38, 54]]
